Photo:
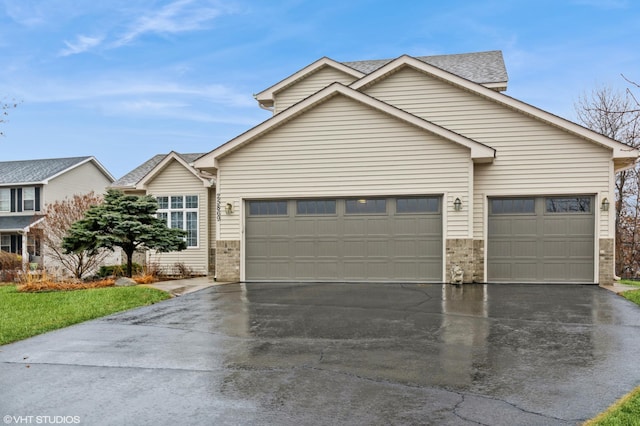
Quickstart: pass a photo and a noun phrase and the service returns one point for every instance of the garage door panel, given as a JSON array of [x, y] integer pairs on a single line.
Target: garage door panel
[[329, 248], [327, 227], [543, 247], [359, 246]]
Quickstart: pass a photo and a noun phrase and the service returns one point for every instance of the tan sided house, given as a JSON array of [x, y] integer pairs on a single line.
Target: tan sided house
[[185, 197], [402, 170], [27, 187]]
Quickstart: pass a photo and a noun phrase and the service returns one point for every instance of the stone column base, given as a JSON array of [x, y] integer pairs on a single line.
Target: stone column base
[[460, 253], [228, 260], [606, 261]]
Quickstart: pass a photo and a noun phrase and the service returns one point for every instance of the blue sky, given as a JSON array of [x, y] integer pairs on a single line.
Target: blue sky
[[126, 79]]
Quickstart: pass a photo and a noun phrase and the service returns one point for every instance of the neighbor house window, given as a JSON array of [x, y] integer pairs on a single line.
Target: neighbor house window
[[33, 245], [5, 199], [5, 243], [181, 212], [28, 199]]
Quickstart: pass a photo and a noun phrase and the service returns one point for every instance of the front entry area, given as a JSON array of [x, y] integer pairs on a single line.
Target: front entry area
[[384, 239], [541, 239]]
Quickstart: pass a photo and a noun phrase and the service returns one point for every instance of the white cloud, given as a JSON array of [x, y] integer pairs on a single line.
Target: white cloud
[[82, 44], [176, 17]]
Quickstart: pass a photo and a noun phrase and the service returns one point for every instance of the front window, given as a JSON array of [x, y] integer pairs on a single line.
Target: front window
[[180, 212], [28, 199], [5, 199]]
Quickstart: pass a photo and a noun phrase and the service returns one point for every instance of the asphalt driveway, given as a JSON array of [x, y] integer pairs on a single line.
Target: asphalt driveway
[[334, 354]]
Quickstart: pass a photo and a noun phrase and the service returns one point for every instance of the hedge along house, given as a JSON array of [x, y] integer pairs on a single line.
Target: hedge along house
[[399, 170], [185, 197]]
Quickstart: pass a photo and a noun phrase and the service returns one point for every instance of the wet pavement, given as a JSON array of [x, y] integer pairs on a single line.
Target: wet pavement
[[291, 354]]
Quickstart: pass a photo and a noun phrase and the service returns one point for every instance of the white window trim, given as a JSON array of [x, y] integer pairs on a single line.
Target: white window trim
[[25, 199], [183, 210], [6, 191]]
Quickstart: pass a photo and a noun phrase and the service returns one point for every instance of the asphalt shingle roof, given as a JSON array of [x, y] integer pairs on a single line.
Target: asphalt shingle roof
[[11, 223], [479, 67], [35, 171], [136, 175]]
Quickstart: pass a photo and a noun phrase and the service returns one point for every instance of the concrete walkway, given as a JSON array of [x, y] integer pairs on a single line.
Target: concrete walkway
[[619, 288], [184, 286]]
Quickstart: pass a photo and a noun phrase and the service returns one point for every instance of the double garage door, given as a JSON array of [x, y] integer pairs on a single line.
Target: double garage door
[[369, 239], [541, 239]]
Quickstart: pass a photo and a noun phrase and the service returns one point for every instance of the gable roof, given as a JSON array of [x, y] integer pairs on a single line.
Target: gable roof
[[486, 68], [42, 171], [265, 98], [479, 152], [141, 175], [620, 151]]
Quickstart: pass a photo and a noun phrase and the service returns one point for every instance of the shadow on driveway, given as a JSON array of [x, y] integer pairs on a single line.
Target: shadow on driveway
[[336, 354]]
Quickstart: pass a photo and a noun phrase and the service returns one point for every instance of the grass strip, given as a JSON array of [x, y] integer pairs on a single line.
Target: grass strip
[[24, 315], [624, 412]]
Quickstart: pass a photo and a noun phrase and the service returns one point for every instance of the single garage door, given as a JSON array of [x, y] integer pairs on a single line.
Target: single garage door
[[541, 239], [369, 239]]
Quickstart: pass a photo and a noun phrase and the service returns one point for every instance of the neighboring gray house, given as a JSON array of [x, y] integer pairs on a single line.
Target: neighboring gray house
[[401, 169], [28, 186], [186, 199]]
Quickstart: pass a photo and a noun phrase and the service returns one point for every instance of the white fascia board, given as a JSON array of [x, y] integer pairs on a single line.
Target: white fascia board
[[267, 95], [142, 183], [92, 159], [620, 150], [479, 152]]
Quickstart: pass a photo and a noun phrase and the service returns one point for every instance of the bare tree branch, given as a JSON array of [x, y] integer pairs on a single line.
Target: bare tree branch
[[59, 217]]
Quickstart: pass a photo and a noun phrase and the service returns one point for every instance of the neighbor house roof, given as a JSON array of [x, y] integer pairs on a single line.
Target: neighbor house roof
[[149, 168], [17, 223], [43, 170]]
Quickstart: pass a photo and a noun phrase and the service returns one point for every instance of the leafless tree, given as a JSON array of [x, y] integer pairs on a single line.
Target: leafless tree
[[4, 111], [616, 115], [59, 217]]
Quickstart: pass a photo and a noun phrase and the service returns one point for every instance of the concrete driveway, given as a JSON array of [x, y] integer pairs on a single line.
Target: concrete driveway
[[291, 354]]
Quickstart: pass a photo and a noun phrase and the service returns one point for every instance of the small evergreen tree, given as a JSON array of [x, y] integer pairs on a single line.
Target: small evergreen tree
[[125, 221]]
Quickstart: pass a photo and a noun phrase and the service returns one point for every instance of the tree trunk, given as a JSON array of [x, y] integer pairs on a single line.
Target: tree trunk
[[129, 252]]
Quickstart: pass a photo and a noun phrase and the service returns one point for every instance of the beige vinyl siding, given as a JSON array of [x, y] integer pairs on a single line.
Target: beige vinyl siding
[[78, 181], [175, 179], [308, 86], [533, 157], [344, 148]]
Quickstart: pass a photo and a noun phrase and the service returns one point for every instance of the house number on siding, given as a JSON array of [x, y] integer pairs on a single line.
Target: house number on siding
[[218, 197]]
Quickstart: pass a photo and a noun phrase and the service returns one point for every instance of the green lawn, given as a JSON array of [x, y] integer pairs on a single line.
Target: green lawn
[[626, 411], [24, 315], [630, 282]]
